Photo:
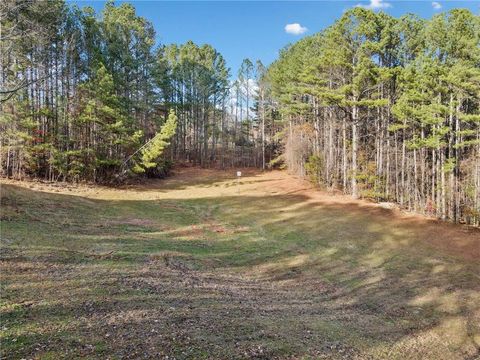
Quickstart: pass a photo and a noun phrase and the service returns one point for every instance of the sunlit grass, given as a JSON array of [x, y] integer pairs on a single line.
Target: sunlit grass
[[221, 270]]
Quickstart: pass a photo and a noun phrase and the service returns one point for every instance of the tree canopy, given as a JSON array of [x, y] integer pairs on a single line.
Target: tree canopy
[[387, 109]]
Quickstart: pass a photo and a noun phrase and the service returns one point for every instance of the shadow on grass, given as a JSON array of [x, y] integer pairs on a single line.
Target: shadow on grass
[[232, 277]]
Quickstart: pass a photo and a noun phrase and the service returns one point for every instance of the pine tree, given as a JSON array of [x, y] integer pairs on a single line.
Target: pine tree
[[154, 149]]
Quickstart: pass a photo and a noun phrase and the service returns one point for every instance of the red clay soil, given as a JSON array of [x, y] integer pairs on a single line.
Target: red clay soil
[[454, 239]]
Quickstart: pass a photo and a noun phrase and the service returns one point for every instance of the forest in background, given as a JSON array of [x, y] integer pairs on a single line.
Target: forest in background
[[84, 96], [387, 109], [378, 107]]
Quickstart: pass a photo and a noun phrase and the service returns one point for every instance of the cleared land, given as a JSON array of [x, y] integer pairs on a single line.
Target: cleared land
[[200, 266]]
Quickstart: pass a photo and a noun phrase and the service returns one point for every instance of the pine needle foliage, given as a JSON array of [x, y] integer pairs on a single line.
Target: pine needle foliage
[[155, 148]]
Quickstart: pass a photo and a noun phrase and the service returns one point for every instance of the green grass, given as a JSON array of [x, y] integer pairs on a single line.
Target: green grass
[[203, 270]]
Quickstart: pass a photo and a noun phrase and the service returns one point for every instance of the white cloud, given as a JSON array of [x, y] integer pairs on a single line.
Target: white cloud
[[295, 29], [436, 5], [376, 4]]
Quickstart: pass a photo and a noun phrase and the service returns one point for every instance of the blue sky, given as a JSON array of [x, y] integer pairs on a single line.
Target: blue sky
[[257, 30]]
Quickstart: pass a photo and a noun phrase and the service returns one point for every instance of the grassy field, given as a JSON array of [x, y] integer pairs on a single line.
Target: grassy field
[[202, 266]]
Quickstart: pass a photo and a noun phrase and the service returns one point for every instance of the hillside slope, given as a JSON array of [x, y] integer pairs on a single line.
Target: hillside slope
[[204, 266]]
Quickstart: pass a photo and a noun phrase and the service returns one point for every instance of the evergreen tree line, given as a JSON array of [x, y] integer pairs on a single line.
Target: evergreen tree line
[[386, 108], [82, 94], [217, 122]]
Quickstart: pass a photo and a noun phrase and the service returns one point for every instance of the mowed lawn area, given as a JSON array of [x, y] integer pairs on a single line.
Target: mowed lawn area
[[202, 266]]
